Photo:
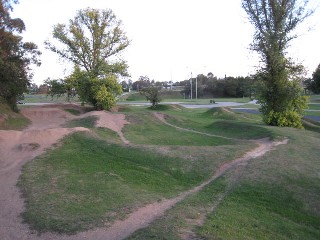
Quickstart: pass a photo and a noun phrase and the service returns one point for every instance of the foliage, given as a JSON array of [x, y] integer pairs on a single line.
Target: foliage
[[152, 94], [143, 82], [99, 91], [313, 84], [56, 87], [316, 80], [92, 41], [15, 56], [274, 22], [213, 87], [288, 107]]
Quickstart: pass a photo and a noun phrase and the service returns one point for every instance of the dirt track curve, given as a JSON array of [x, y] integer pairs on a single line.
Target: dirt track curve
[[19, 147]]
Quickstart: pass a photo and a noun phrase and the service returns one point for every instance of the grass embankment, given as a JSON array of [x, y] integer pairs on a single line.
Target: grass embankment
[[11, 120], [275, 196]]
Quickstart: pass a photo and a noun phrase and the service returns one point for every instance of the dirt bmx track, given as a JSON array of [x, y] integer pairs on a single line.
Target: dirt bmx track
[[19, 147]]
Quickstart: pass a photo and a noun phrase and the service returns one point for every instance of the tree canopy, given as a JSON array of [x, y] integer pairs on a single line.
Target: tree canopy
[[152, 94], [92, 41], [274, 22], [316, 80], [15, 56]]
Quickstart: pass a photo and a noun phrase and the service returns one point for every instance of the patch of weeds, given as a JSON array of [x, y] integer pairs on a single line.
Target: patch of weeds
[[87, 122], [28, 146], [14, 122], [73, 111]]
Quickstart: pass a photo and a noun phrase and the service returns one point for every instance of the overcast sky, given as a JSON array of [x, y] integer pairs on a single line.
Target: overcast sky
[[169, 38]]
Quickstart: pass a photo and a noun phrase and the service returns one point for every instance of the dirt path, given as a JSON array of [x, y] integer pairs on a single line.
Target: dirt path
[[19, 147]]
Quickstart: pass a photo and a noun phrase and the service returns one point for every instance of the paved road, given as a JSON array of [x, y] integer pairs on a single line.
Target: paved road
[[256, 111], [187, 105]]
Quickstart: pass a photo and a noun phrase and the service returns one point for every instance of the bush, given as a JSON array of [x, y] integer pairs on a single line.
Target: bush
[[283, 119]]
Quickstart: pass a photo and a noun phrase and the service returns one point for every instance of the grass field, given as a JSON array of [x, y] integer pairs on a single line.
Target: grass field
[[44, 98], [272, 197]]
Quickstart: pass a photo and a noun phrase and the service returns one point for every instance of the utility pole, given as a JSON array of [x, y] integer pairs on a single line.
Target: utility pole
[[191, 86], [197, 87]]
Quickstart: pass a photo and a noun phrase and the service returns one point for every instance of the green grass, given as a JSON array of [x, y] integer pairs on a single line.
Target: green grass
[[87, 122], [136, 97], [277, 198], [10, 120], [93, 180], [314, 98], [274, 197], [219, 121], [145, 128], [312, 113], [73, 111], [314, 106], [86, 182], [44, 98]]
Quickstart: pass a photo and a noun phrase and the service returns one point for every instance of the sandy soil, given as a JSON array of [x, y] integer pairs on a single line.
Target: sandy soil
[[19, 147]]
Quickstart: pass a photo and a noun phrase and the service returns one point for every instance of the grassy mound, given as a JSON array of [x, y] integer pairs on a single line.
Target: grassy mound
[[220, 113]]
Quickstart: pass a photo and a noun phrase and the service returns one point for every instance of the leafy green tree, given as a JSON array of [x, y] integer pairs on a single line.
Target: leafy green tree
[[143, 82], [91, 88], [316, 81], [274, 22], [93, 41], [56, 87], [16, 56], [152, 94]]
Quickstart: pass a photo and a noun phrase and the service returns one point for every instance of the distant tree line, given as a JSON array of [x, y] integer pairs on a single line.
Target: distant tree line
[[210, 86], [313, 84], [206, 86]]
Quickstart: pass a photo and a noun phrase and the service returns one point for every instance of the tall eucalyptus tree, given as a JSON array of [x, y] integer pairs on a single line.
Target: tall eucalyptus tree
[[274, 22]]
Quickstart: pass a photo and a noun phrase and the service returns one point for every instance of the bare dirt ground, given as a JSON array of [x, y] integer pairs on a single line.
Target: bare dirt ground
[[19, 147]]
